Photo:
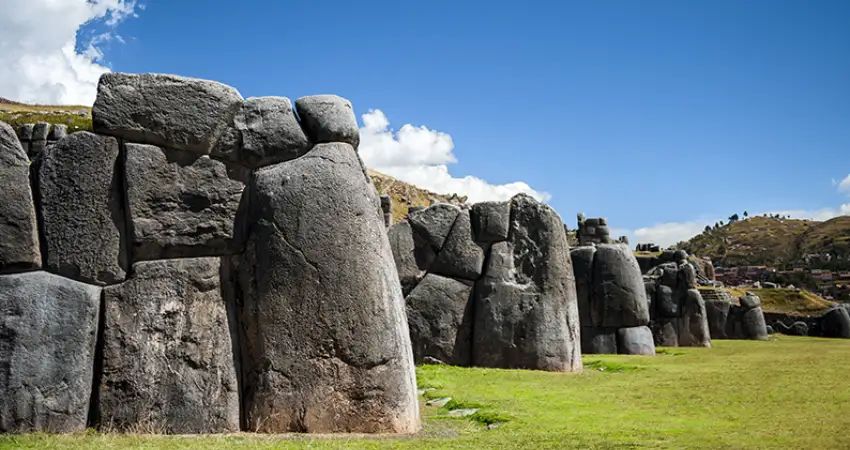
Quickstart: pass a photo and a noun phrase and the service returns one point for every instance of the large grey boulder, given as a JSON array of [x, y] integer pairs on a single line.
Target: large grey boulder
[[412, 255], [268, 132], [619, 294], [717, 313], [666, 332], [439, 314], [582, 259], [491, 221], [526, 312], [325, 334], [82, 210], [434, 223], [666, 302], [693, 325], [182, 204], [750, 301], [168, 361], [835, 323], [328, 118], [461, 256], [167, 110], [598, 341], [19, 247], [49, 331], [635, 341], [754, 324]]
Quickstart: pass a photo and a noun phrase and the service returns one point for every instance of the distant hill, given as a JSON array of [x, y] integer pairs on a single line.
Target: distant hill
[[771, 241]]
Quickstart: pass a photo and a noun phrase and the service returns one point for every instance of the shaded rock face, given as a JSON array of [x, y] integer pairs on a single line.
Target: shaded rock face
[[679, 317], [460, 257], [693, 325], [83, 239], [635, 341], [619, 294], [324, 333], [19, 245], [269, 132], [836, 323], [612, 297], [754, 325], [434, 223], [181, 204], [602, 341], [717, 312], [328, 118], [411, 253], [47, 352], [168, 362], [526, 312], [439, 315], [166, 110], [491, 221]]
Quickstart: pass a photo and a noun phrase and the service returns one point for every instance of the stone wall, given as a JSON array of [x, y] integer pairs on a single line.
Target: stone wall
[[201, 263], [35, 137], [613, 307], [677, 308], [490, 285], [593, 231], [730, 318]]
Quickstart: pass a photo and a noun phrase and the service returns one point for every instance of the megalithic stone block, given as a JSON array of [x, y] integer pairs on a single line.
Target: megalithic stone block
[[325, 334], [49, 331], [19, 245]]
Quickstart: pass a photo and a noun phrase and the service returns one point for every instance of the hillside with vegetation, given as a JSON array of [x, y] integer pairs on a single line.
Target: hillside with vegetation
[[771, 241]]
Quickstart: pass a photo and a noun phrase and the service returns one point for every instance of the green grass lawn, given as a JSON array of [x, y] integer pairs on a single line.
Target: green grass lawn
[[785, 393]]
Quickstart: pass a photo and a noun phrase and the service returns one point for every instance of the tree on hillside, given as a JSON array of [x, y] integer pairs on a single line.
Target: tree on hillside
[[707, 229], [733, 218], [721, 223], [745, 214]]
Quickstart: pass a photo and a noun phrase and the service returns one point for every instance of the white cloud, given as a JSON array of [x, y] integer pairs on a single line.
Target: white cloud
[[844, 185], [38, 40], [421, 157]]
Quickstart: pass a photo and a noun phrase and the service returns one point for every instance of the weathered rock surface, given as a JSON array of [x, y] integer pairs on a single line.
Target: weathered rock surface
[[40, 131], [49, 331], [717, 313], [269, 132], [693, 325], [461, 256], [635, 341], [754, 325], [750, 301], [582, 259], [439, 314], [491, 221], [182, 204], [411, 253], [666, 332], [598, 341], [619, 294], [325, 335], [168, 361], [328, 118], [19, 247], [836, 323], [82, 209], [434, 223], [666, 303], [526, 312], [166, 110]]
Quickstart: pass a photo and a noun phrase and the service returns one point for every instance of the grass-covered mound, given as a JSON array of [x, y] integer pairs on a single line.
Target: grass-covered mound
[[788, 301], [790, 392]]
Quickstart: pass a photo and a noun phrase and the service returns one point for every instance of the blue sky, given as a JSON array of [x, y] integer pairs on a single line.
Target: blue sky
[[660, 115]]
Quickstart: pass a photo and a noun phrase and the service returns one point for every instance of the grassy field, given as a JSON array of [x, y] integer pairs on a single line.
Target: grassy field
[[786, 393]]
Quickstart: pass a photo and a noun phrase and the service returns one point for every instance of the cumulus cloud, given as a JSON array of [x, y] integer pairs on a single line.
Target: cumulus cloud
[[39, 57], [420, 156], [844, 185]]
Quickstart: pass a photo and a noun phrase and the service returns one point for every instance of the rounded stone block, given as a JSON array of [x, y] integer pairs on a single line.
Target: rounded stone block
[[19, 245], [619, 294], [328, 118], [326, 345]]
